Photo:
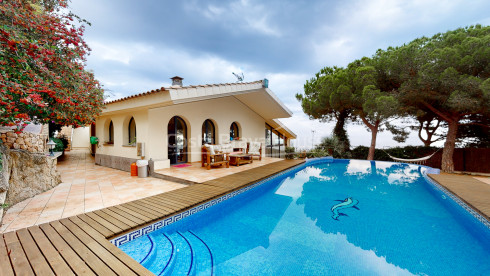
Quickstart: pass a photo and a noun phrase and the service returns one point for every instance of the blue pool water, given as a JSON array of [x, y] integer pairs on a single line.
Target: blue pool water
[[342, 218]]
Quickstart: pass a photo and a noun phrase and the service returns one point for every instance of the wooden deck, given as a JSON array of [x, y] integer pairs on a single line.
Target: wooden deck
[[79, 244], [473, 192]]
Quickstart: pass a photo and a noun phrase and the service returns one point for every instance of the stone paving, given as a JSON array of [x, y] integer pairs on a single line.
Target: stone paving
[[85, 187], [196, 173]]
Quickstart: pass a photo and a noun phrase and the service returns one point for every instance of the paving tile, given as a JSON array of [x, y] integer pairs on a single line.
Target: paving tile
[[85, 187]]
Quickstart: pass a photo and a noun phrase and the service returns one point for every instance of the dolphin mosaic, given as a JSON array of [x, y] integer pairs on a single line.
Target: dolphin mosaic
[[346, 203]]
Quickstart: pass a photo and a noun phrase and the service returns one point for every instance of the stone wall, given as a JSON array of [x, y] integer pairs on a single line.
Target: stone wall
[[24, 175], [31, 142]]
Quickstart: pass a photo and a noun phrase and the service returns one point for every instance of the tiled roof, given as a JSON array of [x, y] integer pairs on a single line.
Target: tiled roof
[[178, 88]]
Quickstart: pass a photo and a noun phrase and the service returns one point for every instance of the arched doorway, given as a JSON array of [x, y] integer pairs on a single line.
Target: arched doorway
[[177, 140]]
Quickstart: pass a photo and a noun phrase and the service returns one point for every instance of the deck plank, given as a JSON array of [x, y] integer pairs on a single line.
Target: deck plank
[[157, 207], [35, 257], [118, 253], [54, 259], [98, 250], [474, 192], [82, 250], [17, 257], [133, 213], [71, 258], [150, 215], [175, 206], [103, 222], [127, 215], [97, 226], [112, 219], [5, 265], [120, 217], [137, 207]]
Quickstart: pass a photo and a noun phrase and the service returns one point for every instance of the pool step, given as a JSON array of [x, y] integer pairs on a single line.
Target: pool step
[[185, 254], [150, 256], [161, 255], [204, 263]]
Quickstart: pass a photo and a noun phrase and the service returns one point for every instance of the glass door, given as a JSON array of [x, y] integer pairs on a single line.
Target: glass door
[[177, 141]]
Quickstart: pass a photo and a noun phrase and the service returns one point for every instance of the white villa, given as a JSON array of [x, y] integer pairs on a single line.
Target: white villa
[[169, 125]]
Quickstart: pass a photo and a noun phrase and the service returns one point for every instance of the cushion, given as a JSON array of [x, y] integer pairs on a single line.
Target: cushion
[[254, 148], [227, 148], [216, 148], [239, 144], [210, 148]]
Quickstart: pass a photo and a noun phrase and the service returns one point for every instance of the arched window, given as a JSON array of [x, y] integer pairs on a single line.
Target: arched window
[[132, 131], [111, 133], [208, 132], [234, 131]]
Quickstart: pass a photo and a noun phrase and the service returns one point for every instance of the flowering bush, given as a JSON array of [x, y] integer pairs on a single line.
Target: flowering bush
[[42, 59]]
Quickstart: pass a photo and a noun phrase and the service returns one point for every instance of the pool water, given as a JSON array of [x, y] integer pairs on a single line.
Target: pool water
[[342, 218]]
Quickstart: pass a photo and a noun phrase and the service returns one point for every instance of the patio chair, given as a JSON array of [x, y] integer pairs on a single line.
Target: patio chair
[[255, 149], [211, 156], [239, 146]]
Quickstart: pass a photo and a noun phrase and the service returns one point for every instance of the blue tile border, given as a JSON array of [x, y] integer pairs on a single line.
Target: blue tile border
[[167, 221], [456, 199]]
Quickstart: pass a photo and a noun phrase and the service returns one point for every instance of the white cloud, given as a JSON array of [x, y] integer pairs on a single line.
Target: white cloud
[[118, 52], [242, 15], [362, 27]]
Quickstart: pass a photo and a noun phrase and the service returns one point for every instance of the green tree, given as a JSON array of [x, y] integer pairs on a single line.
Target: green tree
[[320, 101], [446, 75], [357, 89], [372, 100]]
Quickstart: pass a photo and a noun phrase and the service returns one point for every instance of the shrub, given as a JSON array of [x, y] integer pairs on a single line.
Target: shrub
[[64, 140], [314, 153], [334, 146], [59, 144], [290, 154]]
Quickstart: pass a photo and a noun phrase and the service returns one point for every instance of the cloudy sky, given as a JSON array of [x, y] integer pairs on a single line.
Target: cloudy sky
[[138, 45]]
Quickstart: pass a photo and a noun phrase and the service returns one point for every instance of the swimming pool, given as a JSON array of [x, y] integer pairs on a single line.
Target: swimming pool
[[346, 217]]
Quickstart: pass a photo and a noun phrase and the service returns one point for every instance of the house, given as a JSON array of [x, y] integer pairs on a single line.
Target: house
[[169, 125]]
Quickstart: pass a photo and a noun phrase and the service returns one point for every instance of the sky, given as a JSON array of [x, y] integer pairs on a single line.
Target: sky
[[138, 46]]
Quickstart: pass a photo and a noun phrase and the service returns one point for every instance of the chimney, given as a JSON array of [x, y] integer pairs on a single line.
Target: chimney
[[177, 81]]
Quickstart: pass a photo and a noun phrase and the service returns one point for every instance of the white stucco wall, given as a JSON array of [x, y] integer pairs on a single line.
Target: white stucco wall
[[80, 138], [223, 112], [121, 139], [151, 127]]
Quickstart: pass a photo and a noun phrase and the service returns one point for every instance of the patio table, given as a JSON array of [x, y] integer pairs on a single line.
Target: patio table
[[241, 158]]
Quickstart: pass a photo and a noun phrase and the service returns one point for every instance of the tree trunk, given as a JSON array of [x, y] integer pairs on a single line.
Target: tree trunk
[[339, 130], [374, 133], [447, 164]]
